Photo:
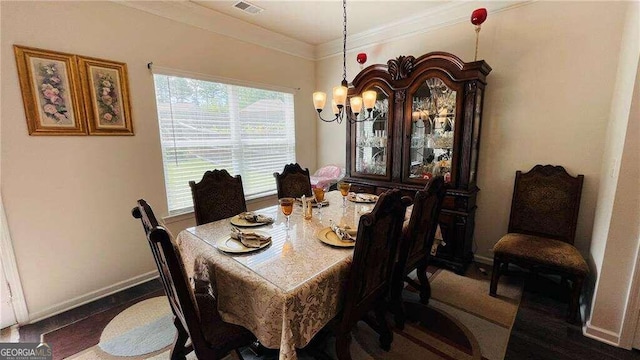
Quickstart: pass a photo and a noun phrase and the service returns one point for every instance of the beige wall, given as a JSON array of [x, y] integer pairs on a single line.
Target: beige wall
[[616, 233], [68, 199], [547, 99]]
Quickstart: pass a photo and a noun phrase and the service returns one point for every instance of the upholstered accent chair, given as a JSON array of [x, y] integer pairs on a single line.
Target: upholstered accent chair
[[196, 315], [217, 196], [368, 283], [293, 182], [415, 246], [542, 228]]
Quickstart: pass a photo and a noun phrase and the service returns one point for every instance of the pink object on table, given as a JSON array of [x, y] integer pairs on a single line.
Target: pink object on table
[[327, 175]]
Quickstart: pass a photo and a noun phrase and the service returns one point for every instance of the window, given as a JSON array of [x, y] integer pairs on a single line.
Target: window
[[206, 125]]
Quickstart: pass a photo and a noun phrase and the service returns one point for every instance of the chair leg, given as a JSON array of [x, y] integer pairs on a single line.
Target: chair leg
[[574, 302], [179, 351], [386, 336], [343, 345], [495, 276], [399, 315], [425, 287], [395, 300]]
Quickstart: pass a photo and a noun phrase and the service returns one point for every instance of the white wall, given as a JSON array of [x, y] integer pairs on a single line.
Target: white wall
[[68, 199], [547, 99], [616, 232]]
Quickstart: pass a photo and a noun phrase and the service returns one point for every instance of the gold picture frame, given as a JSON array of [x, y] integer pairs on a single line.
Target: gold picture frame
[[50, 91], [105, 91]]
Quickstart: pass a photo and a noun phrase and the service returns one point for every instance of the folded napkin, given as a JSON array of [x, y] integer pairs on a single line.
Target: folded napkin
[[366, 197], [249, 239], [255, 218], [344, 233]]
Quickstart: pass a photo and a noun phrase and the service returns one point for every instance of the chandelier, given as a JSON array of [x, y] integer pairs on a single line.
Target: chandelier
[[339, 101]]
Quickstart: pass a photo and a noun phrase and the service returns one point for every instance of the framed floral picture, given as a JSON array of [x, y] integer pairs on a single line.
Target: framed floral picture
[[106, 96], [50, 91]]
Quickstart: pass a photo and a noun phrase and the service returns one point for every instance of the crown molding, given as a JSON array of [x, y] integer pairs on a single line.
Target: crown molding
[[437, 17], [199, 16]]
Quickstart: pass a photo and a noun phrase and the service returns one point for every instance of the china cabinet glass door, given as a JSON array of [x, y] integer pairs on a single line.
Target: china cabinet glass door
[[371, 141], [431, 131]]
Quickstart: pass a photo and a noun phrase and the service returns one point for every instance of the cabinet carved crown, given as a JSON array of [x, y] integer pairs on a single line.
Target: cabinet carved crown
[[400, 67]]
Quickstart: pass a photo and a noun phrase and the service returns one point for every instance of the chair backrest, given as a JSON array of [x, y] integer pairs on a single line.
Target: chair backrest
[[217, 196], [172, 272], [293, 182], [417, 244], [545, 203], [374, 255]]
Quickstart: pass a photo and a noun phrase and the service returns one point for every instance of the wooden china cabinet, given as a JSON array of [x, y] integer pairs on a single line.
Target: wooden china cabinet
[[426, 122]]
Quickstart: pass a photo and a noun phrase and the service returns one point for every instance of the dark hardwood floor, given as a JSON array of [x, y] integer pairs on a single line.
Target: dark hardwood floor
[[539, 332]]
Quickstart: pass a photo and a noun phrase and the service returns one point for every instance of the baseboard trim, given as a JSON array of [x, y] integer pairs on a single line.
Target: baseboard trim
[[483, 259], [92, 296], [600, 334]]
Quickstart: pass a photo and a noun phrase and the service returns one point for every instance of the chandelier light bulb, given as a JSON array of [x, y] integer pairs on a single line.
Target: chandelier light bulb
[[340, 95], [356, 104], [319, 100], [334, 107], [369, 99]]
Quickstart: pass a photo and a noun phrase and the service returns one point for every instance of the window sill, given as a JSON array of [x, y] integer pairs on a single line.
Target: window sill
[[189, 215]]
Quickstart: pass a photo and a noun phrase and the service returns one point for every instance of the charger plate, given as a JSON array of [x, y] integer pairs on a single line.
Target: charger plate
[[229, 245], [362, 198], [237, 221], [328, 237]]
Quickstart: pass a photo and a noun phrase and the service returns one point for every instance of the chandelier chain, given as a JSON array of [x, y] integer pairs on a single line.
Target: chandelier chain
[[344, 40]]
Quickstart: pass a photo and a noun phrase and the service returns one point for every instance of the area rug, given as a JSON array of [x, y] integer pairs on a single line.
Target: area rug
[[463, 323], [424, 341], [143, 328], [466, 299]]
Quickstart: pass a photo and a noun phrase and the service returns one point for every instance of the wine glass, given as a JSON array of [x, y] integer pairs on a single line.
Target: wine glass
[[344, 190], [318, 193], [286, 205]]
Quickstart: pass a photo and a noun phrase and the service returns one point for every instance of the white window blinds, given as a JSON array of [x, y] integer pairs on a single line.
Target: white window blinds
[[207, 125]]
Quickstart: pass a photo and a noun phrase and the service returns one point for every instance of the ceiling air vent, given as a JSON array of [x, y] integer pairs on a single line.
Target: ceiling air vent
[[248, 8]]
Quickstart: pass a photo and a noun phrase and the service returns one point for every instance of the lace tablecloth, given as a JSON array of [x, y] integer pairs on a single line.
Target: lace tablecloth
[[284, 294]]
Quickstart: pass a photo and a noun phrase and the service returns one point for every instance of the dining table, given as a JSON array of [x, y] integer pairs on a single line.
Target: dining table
[[286, 292]]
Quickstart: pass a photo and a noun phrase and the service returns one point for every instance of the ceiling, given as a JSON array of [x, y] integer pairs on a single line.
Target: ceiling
[[318, 22], [312, 29]]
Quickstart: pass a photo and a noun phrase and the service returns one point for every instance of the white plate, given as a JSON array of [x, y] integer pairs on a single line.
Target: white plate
[[237, 221], [328, 237], [362, 198], [229, 245]]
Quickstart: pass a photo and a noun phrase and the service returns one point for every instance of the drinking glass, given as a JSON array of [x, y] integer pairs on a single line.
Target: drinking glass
[[286, 205], [344, 190], [318, 193]]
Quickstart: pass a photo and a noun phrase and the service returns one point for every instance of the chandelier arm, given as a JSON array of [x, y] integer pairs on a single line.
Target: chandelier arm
[[354, 118], [337, 118]]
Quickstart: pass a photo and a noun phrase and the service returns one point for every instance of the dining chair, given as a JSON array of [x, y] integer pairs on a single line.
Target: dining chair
[[195, 313], [542, 229], [217, 196], [368, 284], [293, 182], [415, 246]]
